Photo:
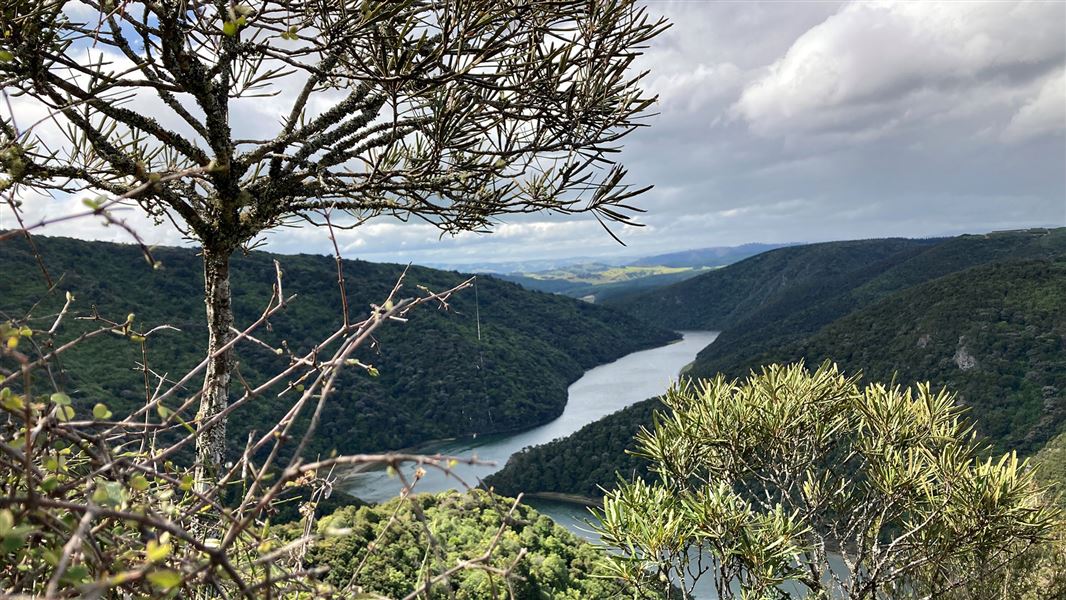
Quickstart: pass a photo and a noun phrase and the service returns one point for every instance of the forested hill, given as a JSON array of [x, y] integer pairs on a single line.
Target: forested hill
[[724, 297], [995, 332], [438, 378], [803, 308]]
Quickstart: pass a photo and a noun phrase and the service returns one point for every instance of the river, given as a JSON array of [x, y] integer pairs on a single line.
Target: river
[[599, 392]]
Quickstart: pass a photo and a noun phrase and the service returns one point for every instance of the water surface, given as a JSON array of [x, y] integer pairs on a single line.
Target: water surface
[[600, 391]]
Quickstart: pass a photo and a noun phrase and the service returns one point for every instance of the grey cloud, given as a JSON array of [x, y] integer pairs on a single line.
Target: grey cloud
[[783, 122]]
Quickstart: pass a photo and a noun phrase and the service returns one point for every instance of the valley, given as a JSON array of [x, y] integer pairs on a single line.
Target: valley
[[979, 315]]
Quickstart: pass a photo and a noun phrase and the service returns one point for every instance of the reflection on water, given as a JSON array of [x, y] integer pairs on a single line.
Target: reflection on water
[[600, 391]]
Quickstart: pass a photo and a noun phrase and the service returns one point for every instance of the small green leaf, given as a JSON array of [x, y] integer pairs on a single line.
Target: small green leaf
[[6, 56], [156, 552], [11, 401], [60, 399], [139, 483], [165, 579], [100, 412], [65, 413], [55, 464], [229, 28]]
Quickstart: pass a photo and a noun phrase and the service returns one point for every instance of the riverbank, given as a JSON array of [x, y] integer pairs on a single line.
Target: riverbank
[[600, 391], [574, 499]]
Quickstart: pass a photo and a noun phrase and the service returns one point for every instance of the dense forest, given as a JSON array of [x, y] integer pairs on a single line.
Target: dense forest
[[979, 315], [500, 359], [384, 543]]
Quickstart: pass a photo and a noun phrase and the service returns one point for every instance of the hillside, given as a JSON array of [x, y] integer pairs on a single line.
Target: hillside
[[995, 333], [800, 310], [437, 378], [726, 297], [582, 462]]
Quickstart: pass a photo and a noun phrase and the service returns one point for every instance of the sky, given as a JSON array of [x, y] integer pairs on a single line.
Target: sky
[[788, 122]]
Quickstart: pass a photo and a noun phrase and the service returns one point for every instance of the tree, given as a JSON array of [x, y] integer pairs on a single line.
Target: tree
[[801, 484], [453, 113]]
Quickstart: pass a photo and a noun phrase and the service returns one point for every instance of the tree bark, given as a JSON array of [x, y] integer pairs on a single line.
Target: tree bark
[[211, 441]]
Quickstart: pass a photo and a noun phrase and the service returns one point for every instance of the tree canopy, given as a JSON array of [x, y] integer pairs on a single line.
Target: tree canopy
[[800, 483]]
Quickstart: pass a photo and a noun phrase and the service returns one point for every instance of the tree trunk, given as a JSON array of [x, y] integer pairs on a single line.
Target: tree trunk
[[211, 441]]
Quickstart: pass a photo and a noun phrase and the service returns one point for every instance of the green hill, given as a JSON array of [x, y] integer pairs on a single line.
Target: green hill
[[583, 461], [437, 377], [996, 334], [726, 297], [805, 307], [982, 315]]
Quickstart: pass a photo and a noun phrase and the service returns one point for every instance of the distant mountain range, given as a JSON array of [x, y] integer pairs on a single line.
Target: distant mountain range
[[719, 256], [982, 315], [500, 360], [598, 281]]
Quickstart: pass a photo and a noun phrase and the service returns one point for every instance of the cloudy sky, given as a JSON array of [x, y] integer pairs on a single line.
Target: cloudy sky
[[800, 121]]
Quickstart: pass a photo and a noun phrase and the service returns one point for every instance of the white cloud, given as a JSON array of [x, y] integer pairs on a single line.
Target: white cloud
[[873, 68], [1043, 115], [778, 122], [37, 208]]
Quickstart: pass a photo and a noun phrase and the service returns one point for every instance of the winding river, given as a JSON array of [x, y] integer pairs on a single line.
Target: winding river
[[599, 392]]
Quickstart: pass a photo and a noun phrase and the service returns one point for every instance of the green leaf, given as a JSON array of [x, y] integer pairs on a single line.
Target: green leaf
[[100, 412], [109, 493], [65, 413], [165, 579], [156, 552], [139, 483], [11, 401], [229, 28], [60, 399], [6, 56]]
